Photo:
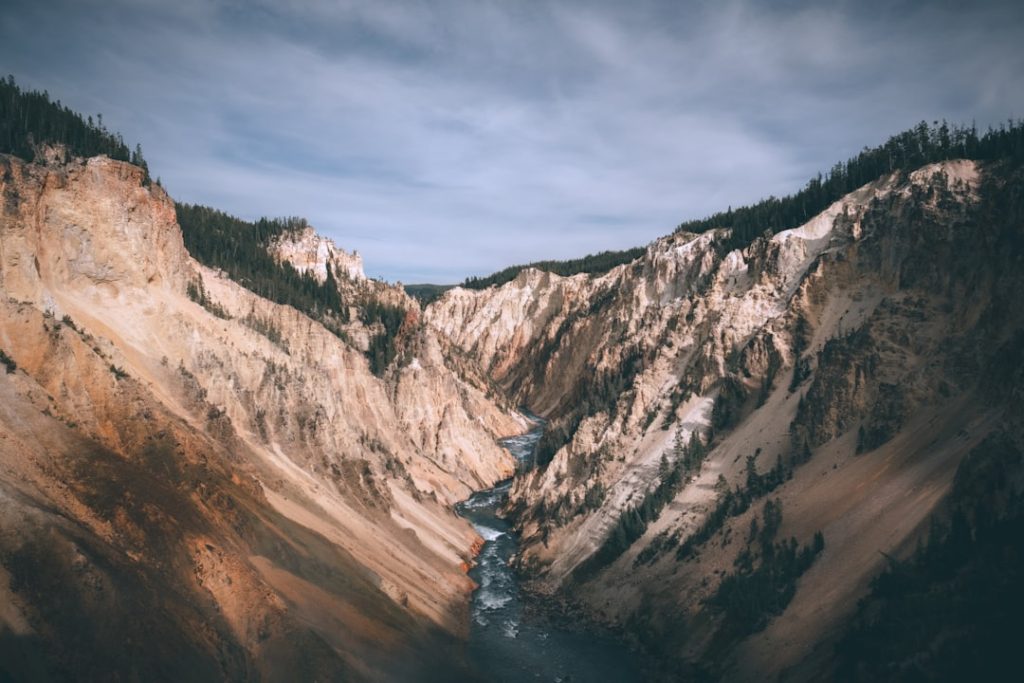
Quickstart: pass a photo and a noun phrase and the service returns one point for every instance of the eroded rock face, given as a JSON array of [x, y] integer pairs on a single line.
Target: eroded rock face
[[864, 331], [313, 253], [238, 495]]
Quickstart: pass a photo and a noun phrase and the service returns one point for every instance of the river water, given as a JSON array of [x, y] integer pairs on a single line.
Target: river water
[[515, 636]]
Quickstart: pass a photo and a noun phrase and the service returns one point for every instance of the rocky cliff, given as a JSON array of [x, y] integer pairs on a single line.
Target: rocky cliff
[[221, 491], [310, 252], [708, 404]]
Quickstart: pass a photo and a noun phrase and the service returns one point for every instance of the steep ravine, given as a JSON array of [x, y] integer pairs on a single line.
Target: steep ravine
[[518, 636]]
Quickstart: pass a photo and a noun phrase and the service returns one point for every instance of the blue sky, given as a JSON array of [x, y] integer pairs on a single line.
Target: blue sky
[[446, 139]]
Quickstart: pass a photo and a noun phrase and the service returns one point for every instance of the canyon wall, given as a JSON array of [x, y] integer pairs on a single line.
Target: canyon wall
[[840, 371], [221, 491]]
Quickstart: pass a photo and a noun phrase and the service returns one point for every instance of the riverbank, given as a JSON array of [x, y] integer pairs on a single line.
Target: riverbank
[[518, 636]]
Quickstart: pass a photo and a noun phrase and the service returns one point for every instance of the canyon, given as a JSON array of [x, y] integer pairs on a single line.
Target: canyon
[[221, 487]]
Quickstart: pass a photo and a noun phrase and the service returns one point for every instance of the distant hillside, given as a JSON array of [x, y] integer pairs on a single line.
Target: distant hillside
[[906, 151], [241, 249], [592, 264], [426, 293]]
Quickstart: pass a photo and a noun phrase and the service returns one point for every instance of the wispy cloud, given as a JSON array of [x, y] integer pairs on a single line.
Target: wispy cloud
[[443, 139]]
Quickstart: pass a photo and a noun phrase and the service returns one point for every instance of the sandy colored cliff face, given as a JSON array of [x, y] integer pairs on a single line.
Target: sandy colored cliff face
[[313, 253], [297, 506], [893, 302]]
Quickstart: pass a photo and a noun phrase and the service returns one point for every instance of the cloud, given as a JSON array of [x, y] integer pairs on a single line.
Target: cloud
[[443, 139]]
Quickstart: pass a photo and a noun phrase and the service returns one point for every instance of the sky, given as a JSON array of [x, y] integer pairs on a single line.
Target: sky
[[447, 139]]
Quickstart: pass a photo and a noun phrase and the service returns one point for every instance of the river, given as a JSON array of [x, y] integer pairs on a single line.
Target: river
[[515, 636]]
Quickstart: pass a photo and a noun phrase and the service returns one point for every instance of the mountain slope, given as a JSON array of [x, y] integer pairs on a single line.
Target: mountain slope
[[237, 494], [843, 369]]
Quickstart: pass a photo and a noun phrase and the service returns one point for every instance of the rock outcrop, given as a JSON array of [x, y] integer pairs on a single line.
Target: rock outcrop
[[228, 496], [313, 253]]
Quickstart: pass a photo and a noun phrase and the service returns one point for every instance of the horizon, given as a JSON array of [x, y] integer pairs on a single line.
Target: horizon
[[451, 140]]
